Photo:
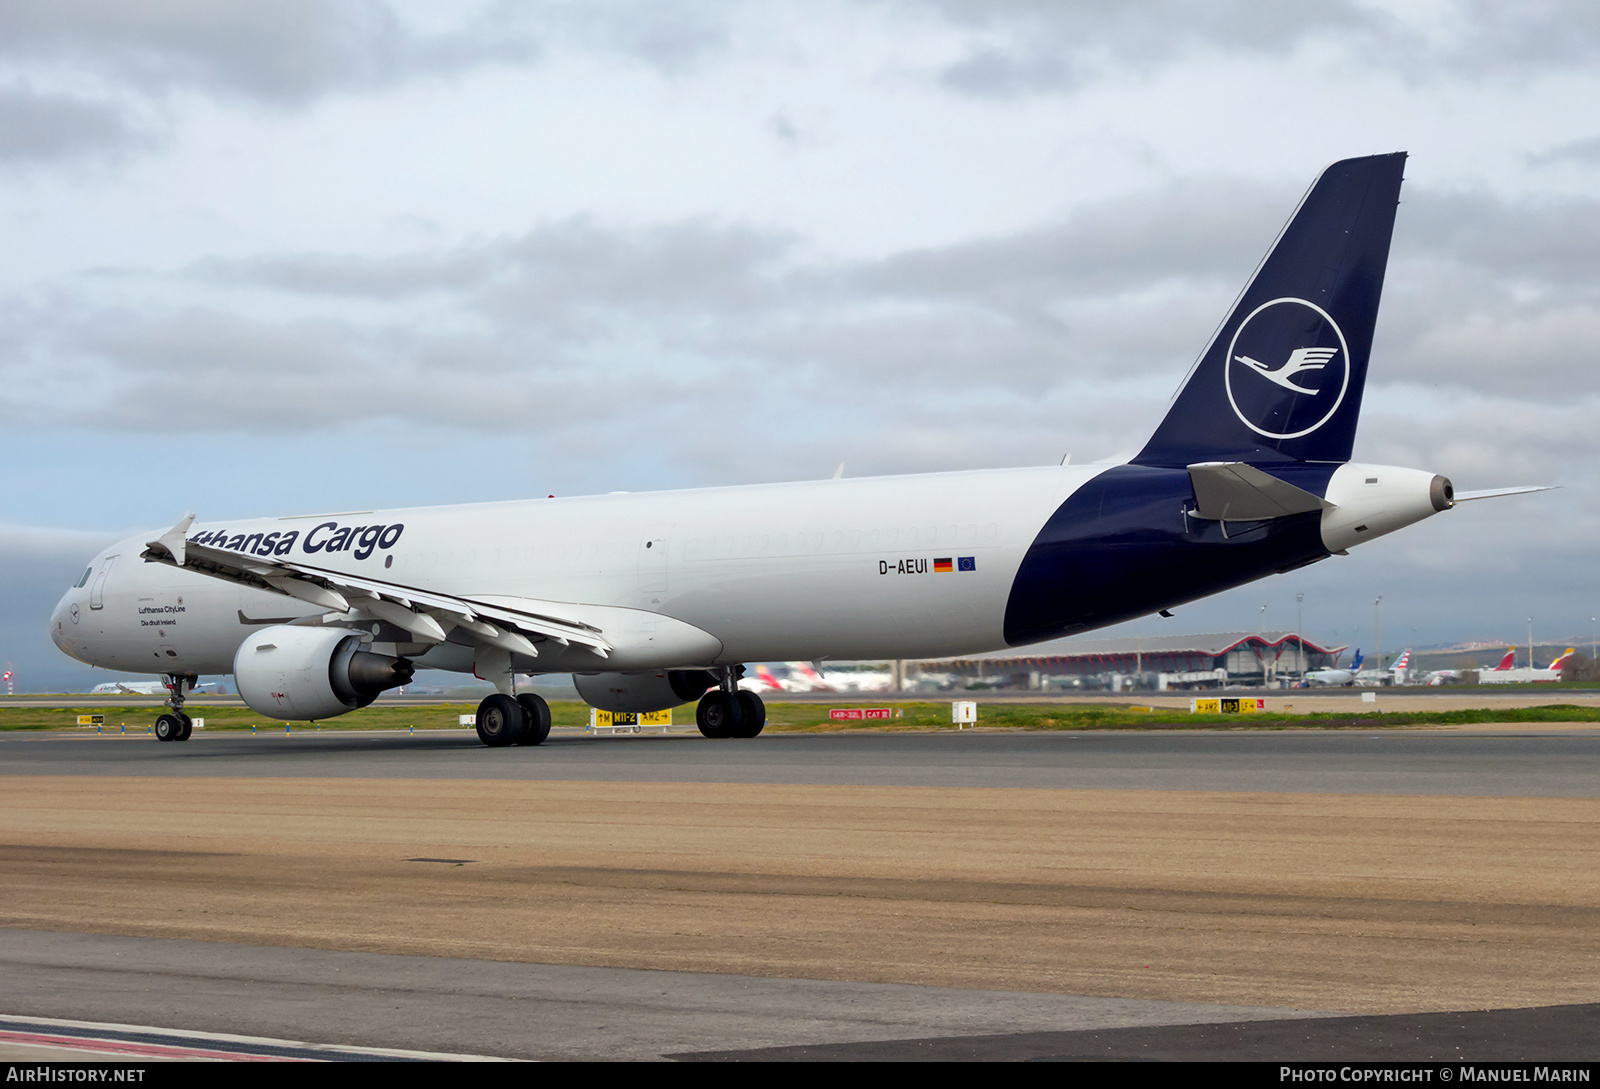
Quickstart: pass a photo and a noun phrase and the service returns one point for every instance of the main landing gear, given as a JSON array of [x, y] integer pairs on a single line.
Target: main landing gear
[[507, 720], [175, 725], [728, 712]]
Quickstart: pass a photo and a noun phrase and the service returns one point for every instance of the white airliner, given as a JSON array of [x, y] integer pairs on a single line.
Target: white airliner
[[797, 677], [141, 688], [653, 600], [1335, 677], [1386, 675]]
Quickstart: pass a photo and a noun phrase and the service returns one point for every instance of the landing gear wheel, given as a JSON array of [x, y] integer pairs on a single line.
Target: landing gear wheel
[[168, 728], [536, 716], [188, 727], [752, 715], [718, 714], [499, 721]]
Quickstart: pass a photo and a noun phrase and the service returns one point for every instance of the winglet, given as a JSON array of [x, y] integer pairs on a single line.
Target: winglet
[[169, 547]]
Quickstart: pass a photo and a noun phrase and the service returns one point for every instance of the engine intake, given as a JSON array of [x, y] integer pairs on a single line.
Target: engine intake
[[288, 672]]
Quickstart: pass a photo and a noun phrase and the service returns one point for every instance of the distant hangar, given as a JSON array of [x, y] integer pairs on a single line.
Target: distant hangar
[[1161, 662]]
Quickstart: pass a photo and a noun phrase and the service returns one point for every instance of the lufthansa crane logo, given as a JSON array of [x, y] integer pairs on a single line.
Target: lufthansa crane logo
[[1287, 369]]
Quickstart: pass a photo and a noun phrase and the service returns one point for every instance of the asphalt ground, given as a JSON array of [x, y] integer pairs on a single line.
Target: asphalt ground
[[528, 1011], [977, 895], [1546, 760]]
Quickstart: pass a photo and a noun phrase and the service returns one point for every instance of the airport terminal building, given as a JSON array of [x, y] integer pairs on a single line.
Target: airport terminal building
[[1160, 662]]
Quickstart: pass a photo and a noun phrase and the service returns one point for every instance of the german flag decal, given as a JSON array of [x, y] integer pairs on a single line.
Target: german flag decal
[[945, 565]]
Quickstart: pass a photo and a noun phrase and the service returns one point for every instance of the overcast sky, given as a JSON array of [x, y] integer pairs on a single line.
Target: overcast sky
[[269, 258]]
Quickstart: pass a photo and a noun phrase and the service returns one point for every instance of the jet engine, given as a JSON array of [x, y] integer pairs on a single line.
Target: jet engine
[[654, 691], [289, 672]]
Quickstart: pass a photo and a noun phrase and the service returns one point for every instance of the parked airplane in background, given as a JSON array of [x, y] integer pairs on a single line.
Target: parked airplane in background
[[142, 688], [761, 680], [1328, 678], [657, 599], [1395, 674], [852, 680], [1560, 658], [803, 677], [1507, 671], [130, 688], [1503, 674]]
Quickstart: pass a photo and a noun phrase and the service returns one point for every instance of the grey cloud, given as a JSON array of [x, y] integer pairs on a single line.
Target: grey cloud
[[1024, 46], [1551, 239], [1582, 152], [1494, 294], [286, 53], [1030, 46], [38, 127], [448, 271], [670, 37], [1081, 327], [564, 275], [40, 563], [292, 52], [782, 126], [1527, 39]]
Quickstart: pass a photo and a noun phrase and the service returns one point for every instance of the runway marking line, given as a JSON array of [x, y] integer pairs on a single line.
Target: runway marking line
[[100, 1046], [143, 1041]]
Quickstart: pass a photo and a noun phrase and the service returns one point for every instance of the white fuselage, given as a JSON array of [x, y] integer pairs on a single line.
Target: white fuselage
[[827, 569], [869, 568]]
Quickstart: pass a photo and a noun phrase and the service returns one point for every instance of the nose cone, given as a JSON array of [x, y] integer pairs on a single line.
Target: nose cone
[[64, 621]]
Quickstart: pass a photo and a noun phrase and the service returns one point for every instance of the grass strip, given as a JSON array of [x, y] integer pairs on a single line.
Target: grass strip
[[813, 718]]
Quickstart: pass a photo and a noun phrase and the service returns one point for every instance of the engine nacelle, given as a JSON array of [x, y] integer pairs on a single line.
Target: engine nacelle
[[288, 672], [1371, 500], [653, 691]]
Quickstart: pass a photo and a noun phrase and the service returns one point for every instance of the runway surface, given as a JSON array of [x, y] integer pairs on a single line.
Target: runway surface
[[947, 895], [535, 1011], [1543, 761]]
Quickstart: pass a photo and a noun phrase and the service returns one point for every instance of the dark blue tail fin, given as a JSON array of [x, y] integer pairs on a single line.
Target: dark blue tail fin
[[1282, 378]]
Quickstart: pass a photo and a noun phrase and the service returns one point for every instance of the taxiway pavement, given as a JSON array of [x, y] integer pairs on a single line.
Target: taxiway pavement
[[649, 896], [1548, 760]]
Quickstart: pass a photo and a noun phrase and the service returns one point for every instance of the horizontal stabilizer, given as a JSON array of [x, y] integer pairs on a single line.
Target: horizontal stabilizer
[[1495, 493], [1235, 492]]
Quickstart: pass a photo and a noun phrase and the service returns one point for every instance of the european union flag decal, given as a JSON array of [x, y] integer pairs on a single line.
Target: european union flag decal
[[967, 563]]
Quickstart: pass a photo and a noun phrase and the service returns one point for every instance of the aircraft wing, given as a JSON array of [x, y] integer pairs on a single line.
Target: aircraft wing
[[1235, 492], [426, 614]]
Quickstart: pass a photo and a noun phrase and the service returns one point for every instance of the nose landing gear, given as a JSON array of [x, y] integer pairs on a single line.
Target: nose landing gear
[[175, 725]]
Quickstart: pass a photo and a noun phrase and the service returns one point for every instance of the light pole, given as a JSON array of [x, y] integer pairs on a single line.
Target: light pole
[[1377, 631], [1530, 642], [1300, 630]]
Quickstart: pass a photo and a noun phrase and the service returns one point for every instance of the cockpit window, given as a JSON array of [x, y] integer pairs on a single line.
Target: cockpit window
[[87, 571]]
